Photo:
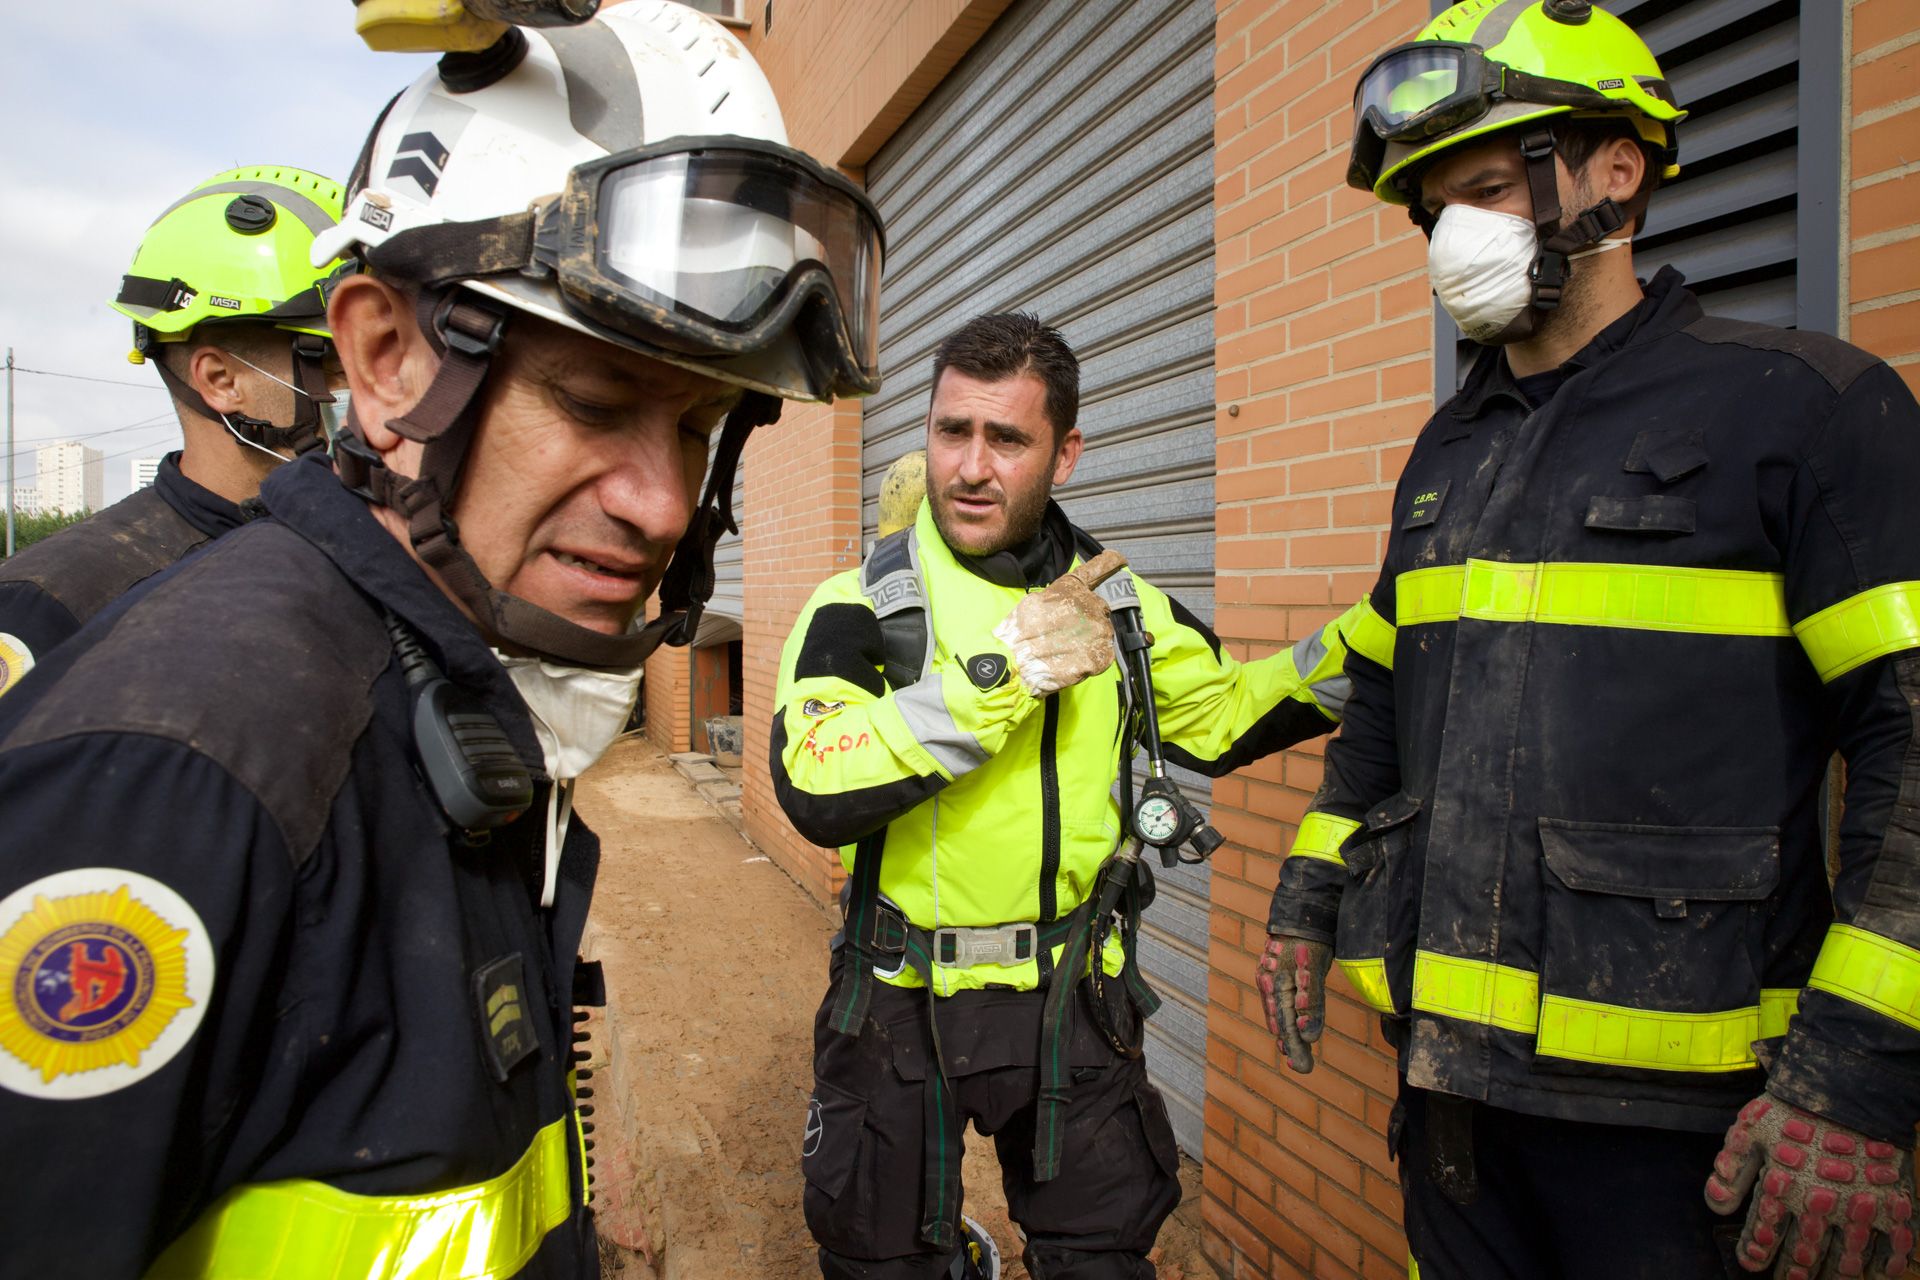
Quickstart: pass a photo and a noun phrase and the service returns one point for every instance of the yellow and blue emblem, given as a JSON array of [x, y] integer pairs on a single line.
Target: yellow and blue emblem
[[15, 660], [106, 976]]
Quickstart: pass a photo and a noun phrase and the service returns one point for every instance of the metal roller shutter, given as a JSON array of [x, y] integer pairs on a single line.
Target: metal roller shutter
[[721, 622], [1065, 167], [1753, 218]]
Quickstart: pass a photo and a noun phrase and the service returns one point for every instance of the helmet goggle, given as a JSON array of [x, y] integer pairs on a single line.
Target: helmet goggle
[[1428, 88], [719, 249]]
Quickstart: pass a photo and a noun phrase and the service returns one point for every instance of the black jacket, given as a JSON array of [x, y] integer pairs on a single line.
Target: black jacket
[[379, 1007], [50, 589], [1571, 833]]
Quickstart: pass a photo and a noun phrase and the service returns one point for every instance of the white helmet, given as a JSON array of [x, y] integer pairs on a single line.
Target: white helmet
[[628, 178]]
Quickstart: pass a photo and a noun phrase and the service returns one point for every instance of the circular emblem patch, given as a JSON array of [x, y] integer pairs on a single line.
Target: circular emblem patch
[[106, 975], [15, 661]]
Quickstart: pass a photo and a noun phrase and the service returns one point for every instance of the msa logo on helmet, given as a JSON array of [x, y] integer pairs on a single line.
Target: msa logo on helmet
[[1609, 84], [224, 304], [375, 216]]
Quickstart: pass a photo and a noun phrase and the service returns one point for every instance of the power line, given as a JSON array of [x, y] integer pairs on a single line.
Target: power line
[[74, 466], [81, 377], [34, 445]]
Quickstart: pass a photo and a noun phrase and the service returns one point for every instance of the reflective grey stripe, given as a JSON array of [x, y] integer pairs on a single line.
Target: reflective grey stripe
[[924, 707], [1331, 693], [1494, 26], [1118, 591], [315, 218], [603, 93]]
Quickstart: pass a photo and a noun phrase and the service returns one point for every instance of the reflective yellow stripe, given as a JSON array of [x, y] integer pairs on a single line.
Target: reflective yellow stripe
[[1321, 835], [1428, 595], [1369, 978], [1870, 970], [1477, 991], [1728, 602], [307, 1230], [1862, 628], [1586, 1031], [1370, 635]]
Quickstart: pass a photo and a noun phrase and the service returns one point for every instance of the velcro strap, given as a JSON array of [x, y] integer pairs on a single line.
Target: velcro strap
[[161, 295], [449, 251]]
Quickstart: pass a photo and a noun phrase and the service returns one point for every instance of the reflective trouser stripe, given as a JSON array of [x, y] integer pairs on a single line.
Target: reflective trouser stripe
[[1868, 969], [1321, 835], [1861, 628], [1371, 636], [1730, 602], [1498, 995], [308, 1230], [1369, 978]]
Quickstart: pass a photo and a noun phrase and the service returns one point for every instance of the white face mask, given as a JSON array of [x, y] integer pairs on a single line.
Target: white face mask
[[577, 713], [1478, 262]]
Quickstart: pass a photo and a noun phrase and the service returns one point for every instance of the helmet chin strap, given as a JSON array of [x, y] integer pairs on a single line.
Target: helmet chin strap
[[309, 381], [468, 333], [1552, 266]]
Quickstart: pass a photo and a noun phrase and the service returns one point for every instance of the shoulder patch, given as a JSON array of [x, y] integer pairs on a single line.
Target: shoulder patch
[[1836, 361], [15, 661], [104, 977], [843, 642], [275, 693], [89, 566]]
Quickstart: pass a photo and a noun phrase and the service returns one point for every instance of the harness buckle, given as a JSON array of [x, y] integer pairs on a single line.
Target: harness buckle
[[957, 947]]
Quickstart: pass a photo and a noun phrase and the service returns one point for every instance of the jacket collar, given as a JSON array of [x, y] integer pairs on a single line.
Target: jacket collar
[[199, 506], [1035, 562], [1667, 307], [307, 497]]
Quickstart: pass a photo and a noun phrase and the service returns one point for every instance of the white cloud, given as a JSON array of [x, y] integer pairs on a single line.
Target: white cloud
[[116, 108]]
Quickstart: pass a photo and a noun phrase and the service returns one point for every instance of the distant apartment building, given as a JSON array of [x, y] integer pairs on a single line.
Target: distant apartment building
[[26, 500], [143, 470], [70, 476]]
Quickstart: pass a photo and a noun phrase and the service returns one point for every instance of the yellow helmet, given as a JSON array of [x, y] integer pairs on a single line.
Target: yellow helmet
[[1488, 65], [902, 490]]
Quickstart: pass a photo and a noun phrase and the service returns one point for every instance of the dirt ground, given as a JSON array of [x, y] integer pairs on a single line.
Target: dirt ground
[[715, 962]]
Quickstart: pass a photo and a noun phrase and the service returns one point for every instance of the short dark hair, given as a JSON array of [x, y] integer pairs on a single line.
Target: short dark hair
[[1006, 344], [1578, 139]]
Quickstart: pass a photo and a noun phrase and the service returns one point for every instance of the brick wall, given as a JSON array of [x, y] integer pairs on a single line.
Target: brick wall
[[1324, 375], [665, 689], [1883, 182], [801, 526]]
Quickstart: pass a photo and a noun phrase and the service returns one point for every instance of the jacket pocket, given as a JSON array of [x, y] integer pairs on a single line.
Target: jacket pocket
[[1652, 945], [1380, 907], [1656, 514]]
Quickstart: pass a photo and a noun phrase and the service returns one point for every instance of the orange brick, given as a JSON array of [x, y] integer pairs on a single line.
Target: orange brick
[[1323, 550], [1886, 80], [1388, 342], [1349, 391], [1356, 1215], [1337, 471], [1336, 320], [1289, 443], [1889, 331], [1289, 514], [1889, 269], [1886, 144], [1342, 241], [1221, 1218], [1884, 206], [1877, 21]]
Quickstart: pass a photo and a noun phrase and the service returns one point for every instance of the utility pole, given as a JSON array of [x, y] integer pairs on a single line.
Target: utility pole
[[9, 452]]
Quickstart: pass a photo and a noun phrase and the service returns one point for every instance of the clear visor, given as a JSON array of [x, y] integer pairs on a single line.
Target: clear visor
[[724, 239], [1410, 82]]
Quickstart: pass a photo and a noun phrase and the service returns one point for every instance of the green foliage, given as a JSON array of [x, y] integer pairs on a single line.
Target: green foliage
[[28, 530]]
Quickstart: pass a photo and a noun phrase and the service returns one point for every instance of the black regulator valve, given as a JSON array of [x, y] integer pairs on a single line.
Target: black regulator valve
[[1166, 819]]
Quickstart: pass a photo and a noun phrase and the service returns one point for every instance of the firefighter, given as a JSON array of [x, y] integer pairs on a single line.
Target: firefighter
[[226, 304], [961, 740], [1647, 572], [291, 898]]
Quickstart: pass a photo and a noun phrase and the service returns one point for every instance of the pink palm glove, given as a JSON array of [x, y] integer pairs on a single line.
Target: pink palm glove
[[1293, 987], [1843, 1191]]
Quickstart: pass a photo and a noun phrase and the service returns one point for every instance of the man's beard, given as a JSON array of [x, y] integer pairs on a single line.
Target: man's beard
[[1024, 515]]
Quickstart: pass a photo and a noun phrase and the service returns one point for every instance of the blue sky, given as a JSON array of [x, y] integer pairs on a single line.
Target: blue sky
[[114, 109]]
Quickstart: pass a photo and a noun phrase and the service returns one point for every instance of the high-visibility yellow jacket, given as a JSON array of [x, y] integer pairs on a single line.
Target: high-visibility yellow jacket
[[1570, 840], [993, 806]]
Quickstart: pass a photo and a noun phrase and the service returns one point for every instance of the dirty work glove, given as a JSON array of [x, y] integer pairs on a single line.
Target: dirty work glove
[[1842, 1190], [1293, 987], [1061, 635]]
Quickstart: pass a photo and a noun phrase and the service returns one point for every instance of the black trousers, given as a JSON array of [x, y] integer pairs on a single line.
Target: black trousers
[[863, 1153], [1556, 1199]]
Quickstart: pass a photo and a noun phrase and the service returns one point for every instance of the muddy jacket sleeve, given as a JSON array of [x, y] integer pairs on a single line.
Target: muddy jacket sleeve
[[31, 624], [848, 754], [1217, 714], [1362, 768], [143, 923], [1853, 595]]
